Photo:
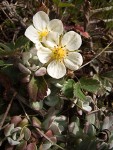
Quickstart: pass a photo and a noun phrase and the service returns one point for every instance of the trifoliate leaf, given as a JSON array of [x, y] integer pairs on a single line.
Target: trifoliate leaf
[[78, 92], [68, 87], [89, 84]]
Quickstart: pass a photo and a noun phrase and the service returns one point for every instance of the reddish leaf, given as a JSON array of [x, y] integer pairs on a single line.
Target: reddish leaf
[[32, 89], [82, 32], [49, 134], [42, 88], [32, 146], [37, 89], [16, 120], [36, 122]]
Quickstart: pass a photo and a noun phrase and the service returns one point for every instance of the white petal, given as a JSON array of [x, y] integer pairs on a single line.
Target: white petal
[[56, 69], [56, 25], [52, 39], [40, 20], [44, 54], [38, 45], [73, 61], [71, 40], [32, 34]]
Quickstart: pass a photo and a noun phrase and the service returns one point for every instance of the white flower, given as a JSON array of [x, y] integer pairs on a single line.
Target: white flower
[[42, 26], [60, 53]]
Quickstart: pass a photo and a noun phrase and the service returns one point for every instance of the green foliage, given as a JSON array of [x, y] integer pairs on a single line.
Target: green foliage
[[78, 92], [89, 84], [76, 113], [67, 88]]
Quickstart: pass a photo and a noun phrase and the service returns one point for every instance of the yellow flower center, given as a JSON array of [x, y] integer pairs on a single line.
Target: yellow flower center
[[59, 53], [42, 34]]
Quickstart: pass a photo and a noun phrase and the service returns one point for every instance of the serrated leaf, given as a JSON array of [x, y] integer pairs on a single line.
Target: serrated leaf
[[68, 87], [89, 84], [52, 100], [78, 92], [108, 74]]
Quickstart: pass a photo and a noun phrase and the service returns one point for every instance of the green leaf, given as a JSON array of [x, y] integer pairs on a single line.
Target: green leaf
[[61, 4], [27, 133], [56, 2], [73, 128], [5, 47], [85, 144], [21, 41], [91, 118], [11, 45], [78, 92], [108, 75], [52, 100], [1, 63], [89, 84], [37, 105], [45, 145], [36, 122], [68, 87]]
